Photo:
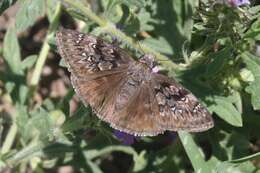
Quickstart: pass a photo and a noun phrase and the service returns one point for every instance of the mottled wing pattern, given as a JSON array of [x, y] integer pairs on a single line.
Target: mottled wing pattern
[[178, 108], [124, 92], [88, 56], [96, 67]]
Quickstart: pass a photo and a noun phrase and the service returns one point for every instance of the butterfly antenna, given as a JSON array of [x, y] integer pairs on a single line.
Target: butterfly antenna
[[140, 47]]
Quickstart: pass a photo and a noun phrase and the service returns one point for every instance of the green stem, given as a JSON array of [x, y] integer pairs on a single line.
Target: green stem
[[45, 48], [246, 158], [28, 151], [8, 143], [40, 63], [114, 31]]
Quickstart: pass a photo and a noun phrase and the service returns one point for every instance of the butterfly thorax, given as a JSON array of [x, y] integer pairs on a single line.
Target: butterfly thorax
[[140, 72], [148, 60]]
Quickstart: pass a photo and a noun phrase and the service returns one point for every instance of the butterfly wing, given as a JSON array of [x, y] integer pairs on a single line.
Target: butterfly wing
[[135, 111], [90, 57], [107, 78], [178, 108], [125, 106], [97, 68]]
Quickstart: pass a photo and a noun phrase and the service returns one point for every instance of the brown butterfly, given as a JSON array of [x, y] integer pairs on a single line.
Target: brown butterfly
[[127, 93]]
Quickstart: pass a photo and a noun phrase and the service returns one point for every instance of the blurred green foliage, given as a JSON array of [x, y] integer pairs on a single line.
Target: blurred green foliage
[[209, 47]]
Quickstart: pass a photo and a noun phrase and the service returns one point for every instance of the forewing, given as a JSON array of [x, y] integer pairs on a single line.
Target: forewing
[[97, 68], [88, 56], [178, 108]]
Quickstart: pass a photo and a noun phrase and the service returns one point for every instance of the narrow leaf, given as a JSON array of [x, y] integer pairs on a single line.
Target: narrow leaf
[[12, 51], [29, 61], [194, 153]]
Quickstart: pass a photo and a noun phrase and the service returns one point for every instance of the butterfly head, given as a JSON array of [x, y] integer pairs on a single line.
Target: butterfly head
[[149, 60]]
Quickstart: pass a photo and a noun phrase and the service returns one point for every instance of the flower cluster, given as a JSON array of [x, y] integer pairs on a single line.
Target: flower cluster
[[237, 3], [234, 3]]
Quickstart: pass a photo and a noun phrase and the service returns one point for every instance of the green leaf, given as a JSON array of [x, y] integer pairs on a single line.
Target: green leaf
[[136, 3], [159, 44], [40, 125], [50, 8], [254, 30], [12, 51], [226, 110], [253, 64], [22, 119], [194, 153], [29, 61], [5, 4], [29, 12], [23, 93], [227, 167], [219, 59], [9, 86], [76, 121], [175, 22], [145, 20]]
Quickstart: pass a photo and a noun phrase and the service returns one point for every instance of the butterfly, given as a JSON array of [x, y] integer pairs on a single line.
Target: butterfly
[[126, 93]]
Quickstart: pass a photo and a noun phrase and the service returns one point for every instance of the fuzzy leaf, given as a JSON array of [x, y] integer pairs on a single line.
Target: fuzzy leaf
[[12, 51], [28, 13], [253, 64], [226, 110], [159, 44], [39, 125], [22, 119], [29, 61]]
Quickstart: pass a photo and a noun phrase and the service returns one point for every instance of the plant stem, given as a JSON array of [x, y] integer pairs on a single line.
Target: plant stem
[[28, 151], [8, 142], [40, 63], [45, 48]]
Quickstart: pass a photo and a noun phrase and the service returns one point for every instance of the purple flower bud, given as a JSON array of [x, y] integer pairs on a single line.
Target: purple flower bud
[[237, 3], [125, 138], [234, 3]]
